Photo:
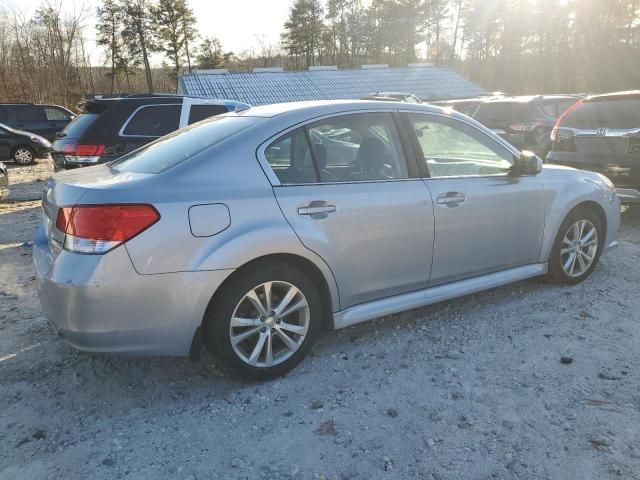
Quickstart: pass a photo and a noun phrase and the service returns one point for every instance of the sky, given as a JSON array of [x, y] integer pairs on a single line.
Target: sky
[[239, 24]]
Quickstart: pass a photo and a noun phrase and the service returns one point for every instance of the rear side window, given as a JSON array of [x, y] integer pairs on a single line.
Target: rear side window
[[291, 160], [201, 112], [79, 125], [616, 114], [179, 146], [502, 112], [153, 121], [30, 114]]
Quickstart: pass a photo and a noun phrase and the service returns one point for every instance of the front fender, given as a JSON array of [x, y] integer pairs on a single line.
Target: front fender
[[565, 189]]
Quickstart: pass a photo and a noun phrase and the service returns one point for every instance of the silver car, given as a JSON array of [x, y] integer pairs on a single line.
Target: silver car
[[254, 230]]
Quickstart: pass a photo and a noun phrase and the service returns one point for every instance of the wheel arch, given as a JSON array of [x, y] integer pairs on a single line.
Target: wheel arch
[[307, 266]]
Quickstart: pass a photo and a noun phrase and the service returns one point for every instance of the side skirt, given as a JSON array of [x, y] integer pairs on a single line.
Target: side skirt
[[408, 301]]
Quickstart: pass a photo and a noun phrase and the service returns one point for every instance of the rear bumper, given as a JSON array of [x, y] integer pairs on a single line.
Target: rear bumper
[[99, 303]]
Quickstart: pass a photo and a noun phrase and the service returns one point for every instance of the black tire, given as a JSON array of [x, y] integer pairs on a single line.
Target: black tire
[[556, 271], [18, 152], [216, 324]]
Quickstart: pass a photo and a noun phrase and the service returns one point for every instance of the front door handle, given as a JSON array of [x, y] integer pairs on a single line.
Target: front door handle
[[318, 209], [452, 199]]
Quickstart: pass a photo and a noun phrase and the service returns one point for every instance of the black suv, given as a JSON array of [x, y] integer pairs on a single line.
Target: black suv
[[602, 134], [112, 127], [43, 120], [525, 122]]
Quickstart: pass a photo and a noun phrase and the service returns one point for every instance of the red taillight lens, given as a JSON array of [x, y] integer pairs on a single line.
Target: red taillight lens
[[109, 224], [554, 132], [83, 150]]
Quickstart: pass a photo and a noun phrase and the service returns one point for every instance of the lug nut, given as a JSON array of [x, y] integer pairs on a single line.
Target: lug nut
[[262, 319], [263, 329], [278, 320]]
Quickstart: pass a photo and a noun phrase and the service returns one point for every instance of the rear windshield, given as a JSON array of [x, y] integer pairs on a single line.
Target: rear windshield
[[181, 145], [502, 111], [616, 114], [79, 125]]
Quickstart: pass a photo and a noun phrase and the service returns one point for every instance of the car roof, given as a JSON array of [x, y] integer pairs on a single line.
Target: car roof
[[318, 108], [626, 95]]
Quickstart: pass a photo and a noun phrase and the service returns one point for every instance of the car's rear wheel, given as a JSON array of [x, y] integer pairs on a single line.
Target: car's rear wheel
[[263, 321], [577, 247], [23, 155]]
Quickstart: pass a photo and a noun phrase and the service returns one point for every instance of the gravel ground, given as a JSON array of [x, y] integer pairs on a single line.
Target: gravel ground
[[469, 389]]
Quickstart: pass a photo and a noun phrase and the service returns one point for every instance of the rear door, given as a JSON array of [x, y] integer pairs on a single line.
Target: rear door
[[351, 199], [485, 219], [6, 143]]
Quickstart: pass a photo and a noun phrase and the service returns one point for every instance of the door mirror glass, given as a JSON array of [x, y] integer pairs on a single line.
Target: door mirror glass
[[528, 163]]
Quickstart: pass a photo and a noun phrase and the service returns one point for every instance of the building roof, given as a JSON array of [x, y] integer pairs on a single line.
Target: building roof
[[276, 86]]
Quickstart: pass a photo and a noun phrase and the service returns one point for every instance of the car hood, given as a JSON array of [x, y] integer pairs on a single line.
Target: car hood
[[40, 139]]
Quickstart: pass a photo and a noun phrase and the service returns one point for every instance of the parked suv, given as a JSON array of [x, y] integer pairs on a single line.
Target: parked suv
[[525, 122], [602, 134], [112, 127], [43, 120], [22, 147]]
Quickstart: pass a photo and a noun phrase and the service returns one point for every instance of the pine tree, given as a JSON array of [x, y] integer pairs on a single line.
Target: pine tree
[[176, 27], [211, 55]]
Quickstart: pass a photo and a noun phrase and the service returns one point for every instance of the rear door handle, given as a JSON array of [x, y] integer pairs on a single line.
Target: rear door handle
[[316, 210], [452, 199]]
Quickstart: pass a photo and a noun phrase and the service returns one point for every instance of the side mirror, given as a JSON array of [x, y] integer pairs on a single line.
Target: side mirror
[[528, 163]]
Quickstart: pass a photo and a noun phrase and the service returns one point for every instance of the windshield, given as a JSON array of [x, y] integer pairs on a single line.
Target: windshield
[[181, 145]]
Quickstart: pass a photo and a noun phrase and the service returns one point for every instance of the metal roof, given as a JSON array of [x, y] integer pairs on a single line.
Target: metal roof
[[426, 82]]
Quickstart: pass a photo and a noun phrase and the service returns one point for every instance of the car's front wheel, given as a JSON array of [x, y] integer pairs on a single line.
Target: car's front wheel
[[263, 321], [23, 155], [577, 247]]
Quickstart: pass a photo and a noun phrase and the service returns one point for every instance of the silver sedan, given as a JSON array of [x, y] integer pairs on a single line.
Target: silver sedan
[[252, 231]]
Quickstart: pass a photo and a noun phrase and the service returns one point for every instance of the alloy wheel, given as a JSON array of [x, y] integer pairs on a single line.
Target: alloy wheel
[[269, 324], [579, 248], [23, 156]]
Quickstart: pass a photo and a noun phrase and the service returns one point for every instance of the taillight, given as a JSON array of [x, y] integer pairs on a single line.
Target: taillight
[[563, 141], [83, 153], [100, 228], [554, 132]]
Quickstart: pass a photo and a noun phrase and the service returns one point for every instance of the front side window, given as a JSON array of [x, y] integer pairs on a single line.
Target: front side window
[[153, 121], [357, 147], [55, 114], [453, 149]]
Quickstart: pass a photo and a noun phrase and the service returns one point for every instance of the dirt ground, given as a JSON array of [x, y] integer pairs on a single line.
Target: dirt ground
[[469, 389]]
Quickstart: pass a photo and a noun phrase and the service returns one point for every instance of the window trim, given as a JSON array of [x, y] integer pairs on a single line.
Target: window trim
[[126, 123], [275, 181], [444, 119]]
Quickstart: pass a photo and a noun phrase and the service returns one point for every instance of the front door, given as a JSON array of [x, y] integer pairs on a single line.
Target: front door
[[349, 198], [486, 220]]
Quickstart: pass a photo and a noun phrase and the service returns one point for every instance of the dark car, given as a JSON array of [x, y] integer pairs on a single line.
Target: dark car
[[43, 120], [112, 127], [525, 122], [4, 181], [22, 147], [602, 133]]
